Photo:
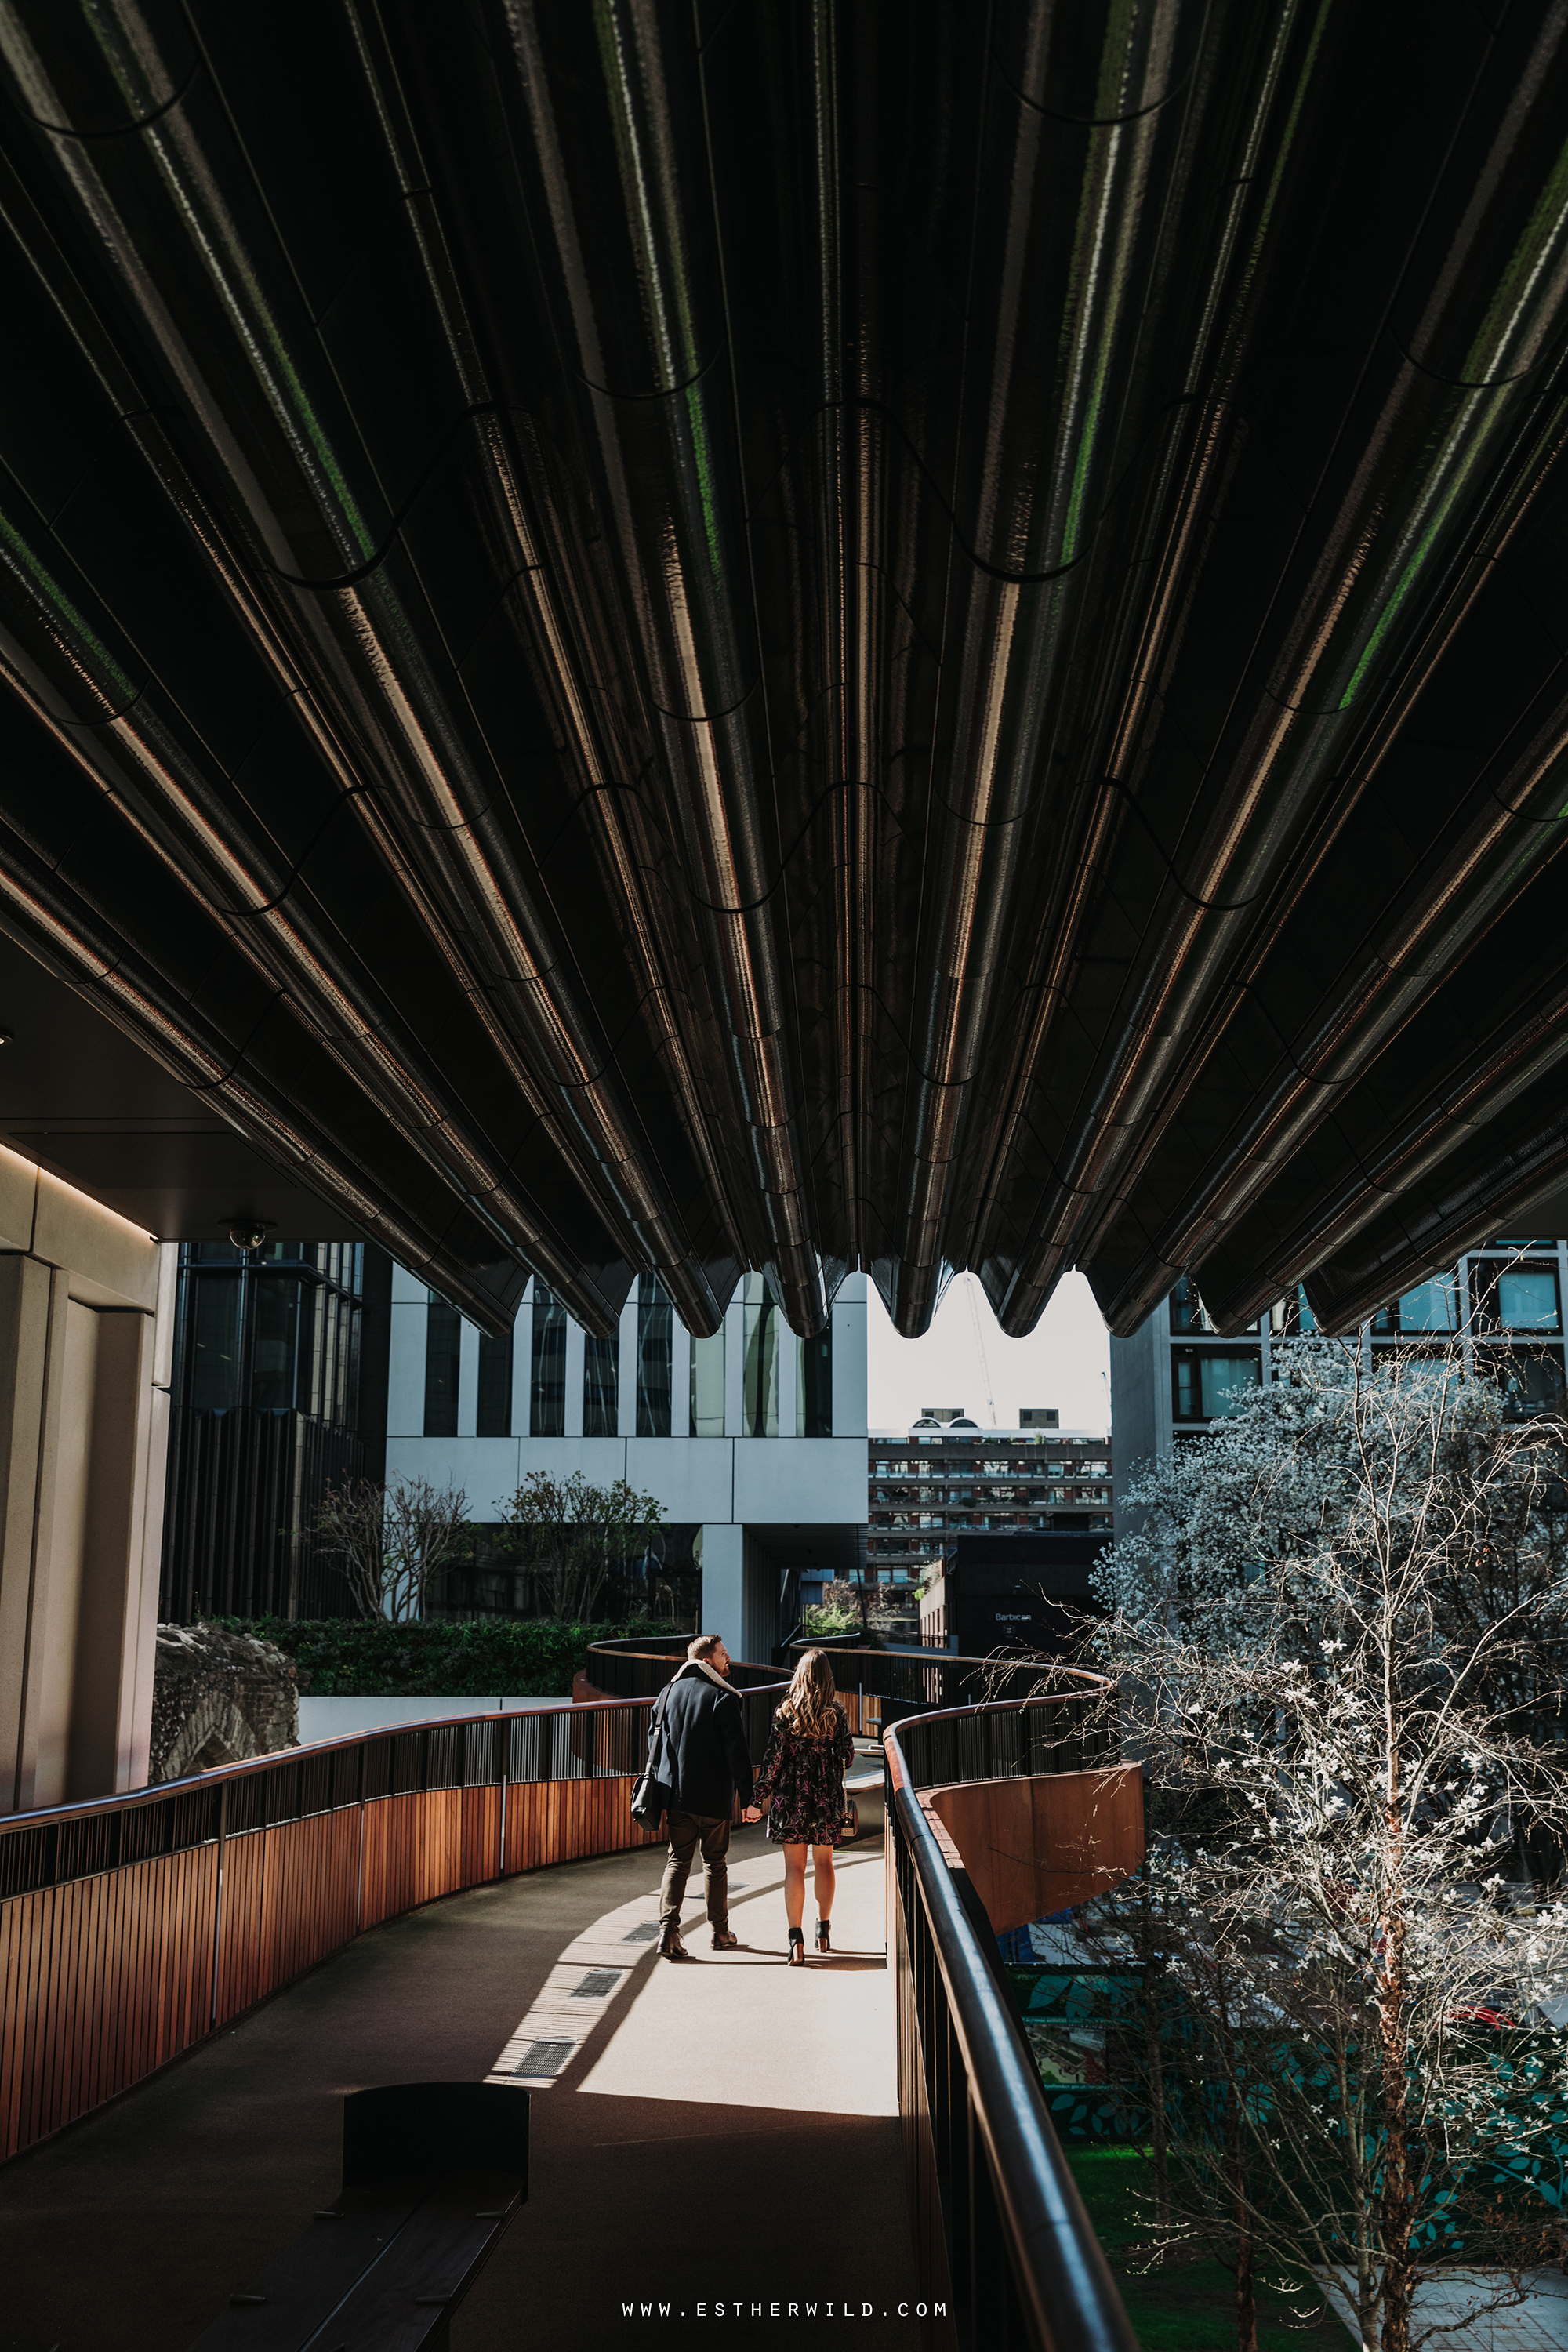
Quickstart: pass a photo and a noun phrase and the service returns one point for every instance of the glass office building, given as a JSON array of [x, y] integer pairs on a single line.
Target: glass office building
[[1502, 1305], [277, 1390]]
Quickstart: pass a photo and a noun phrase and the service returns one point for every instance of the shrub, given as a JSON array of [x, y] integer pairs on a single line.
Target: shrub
[[369, 1657]]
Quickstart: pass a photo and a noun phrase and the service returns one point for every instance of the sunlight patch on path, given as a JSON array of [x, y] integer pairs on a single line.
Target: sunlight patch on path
[[745, 2029], [593, 1968]]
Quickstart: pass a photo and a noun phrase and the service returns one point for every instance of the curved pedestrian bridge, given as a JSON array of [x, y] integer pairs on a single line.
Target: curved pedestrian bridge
[[717, 2133], [437, 1905]]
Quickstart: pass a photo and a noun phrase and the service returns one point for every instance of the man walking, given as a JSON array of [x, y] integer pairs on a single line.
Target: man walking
[[705, 1761]]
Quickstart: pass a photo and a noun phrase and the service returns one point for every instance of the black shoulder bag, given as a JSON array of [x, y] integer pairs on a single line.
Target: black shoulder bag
[[650, 1794]]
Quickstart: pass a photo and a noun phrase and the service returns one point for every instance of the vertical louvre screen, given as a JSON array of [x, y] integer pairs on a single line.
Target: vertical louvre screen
[[442, 1340], [814, 1386], [601, 1386], [708, 1386], [655, 1342], [547, 1404], [495, 1386]]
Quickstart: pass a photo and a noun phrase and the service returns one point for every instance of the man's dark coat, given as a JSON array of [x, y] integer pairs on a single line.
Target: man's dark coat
[[705, 1758]]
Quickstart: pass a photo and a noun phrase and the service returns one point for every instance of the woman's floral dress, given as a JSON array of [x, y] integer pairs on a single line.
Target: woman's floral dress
[[803, 1779]]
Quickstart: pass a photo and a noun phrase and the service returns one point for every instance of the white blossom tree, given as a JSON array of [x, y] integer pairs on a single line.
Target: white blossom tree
[[1337, 1624]]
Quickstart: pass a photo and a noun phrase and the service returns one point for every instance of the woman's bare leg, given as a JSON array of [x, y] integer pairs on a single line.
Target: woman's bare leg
[[794, 1883], [823, 1878]]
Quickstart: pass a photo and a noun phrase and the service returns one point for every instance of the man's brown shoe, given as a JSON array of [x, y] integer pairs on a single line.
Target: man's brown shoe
[[723, 1941], [671, 1946]]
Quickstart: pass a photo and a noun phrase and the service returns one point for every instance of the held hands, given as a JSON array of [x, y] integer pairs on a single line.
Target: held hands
[[752, 1813]]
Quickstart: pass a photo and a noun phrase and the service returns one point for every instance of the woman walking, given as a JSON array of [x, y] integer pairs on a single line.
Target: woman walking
[[801, 1783]]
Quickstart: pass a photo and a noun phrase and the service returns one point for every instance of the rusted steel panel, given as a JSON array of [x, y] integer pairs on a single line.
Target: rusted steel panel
[[1043, 1842]]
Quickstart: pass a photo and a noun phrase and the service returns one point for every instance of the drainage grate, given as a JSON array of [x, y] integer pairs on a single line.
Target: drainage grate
[[643, 1933], [597, 1983], [544, 2058]]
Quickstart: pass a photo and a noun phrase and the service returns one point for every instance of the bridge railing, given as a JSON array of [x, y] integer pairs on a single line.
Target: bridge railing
[[880, 1687], [640, 1667], [1002, 2236], [132, 1926]]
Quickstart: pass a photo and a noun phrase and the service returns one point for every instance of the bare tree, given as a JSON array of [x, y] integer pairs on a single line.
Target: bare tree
[[572, 1536], [389, 1540], [1349, 1744]]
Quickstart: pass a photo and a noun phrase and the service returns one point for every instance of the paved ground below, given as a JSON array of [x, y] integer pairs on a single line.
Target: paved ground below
[[720, 2134], [1464, 2307]]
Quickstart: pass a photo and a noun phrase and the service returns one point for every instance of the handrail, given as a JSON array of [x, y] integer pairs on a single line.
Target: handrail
[[618, 1663], [1062, 2296], [244, 1767], [142, 1923]]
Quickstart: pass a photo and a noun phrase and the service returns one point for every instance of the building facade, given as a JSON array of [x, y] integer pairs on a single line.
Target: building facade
[[751, 1442], [942, 1478], [1502, 1305], [987, 1530], [86, 1311], [279, 1388]]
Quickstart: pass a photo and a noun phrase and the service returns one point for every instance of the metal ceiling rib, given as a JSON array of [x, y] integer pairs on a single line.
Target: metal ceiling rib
[[670, 638]]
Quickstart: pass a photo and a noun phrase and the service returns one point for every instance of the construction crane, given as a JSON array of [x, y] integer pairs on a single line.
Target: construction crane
[[973, 1289]]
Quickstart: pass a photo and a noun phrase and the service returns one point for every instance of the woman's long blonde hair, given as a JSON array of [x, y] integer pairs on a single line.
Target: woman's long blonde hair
[[811, 1702]]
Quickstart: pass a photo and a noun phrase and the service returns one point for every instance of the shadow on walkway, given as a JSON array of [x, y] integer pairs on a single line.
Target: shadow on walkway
[[722, 2134]]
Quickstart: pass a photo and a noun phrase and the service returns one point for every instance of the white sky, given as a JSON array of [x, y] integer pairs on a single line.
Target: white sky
[[1064, 1361]]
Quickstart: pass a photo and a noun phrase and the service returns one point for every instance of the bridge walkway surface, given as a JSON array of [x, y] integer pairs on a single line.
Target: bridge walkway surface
[[724, 2134]]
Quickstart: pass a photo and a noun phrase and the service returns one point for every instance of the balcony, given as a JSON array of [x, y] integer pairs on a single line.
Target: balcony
[[473, 1902]]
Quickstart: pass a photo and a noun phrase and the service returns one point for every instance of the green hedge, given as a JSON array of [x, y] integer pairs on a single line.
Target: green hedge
[[505, 1657]]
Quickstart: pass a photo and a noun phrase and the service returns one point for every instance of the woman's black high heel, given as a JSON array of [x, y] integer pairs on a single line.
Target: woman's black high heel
[[822, 1943], [797, 1947]]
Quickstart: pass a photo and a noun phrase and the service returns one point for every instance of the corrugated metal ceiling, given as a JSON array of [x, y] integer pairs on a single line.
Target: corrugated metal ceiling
[[652, 636]]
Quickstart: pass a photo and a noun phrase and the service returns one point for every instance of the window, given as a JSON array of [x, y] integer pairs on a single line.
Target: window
[[1527, 1299], [1532, 1383], [1515, 1297], [656, 1343], [443, 1335], [214, 1377], [274, 1329], [814, 1385], [601, 1386], [1208, 1385], [758, 1360], [495, 1386], [547, 1396], [281, 1367], [1187, 1310], [708, 1385], [1431, 1306]]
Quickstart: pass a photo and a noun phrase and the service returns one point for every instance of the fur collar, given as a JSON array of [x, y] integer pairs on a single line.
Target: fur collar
[[702, 1666]]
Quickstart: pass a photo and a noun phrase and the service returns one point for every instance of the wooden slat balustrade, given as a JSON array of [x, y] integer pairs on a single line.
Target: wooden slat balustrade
[[131, 1928]]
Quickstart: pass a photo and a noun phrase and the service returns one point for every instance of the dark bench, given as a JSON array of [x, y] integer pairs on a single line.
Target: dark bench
[[432, 2174]]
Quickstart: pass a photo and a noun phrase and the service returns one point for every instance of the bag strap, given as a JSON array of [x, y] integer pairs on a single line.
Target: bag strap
[[656, 1719]]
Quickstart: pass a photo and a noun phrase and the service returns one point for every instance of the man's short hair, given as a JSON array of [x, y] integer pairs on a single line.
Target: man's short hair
[[704, 1645]]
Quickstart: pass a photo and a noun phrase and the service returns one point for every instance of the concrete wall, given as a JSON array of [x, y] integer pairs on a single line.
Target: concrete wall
[[86, 1351], [764, 1480], [1140, 1404], [725, 1484], [345, 1718]]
